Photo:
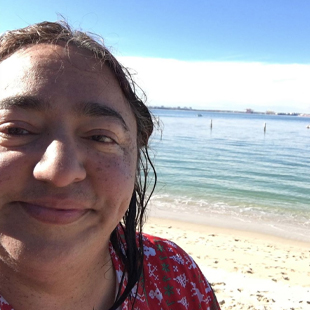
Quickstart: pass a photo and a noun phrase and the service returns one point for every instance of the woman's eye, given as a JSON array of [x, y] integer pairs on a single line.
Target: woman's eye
[[16, 131], [102, 138], [12, 135]]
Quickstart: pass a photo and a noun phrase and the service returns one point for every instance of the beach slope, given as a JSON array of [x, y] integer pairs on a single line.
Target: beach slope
[[246, 270]]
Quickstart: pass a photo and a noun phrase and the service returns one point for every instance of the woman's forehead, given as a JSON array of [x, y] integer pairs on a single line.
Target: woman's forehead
[[48, 64], [80, 58], [50, 69]]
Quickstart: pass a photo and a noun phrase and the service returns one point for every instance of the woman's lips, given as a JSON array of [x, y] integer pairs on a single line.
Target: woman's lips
[[51, 215]]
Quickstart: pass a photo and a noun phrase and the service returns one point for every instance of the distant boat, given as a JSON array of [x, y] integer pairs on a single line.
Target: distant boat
[[199, 115]]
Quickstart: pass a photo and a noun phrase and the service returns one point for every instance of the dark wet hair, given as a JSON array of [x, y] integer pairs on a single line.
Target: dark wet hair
[[129, 250]]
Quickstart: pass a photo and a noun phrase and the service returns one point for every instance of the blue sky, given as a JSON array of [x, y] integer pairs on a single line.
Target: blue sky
[[220, 54]]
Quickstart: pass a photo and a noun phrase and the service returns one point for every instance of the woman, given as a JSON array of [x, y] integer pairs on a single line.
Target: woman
[[74, 134]]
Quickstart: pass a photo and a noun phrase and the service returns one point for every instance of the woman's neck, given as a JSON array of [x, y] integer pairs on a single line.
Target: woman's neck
[[86, 284]]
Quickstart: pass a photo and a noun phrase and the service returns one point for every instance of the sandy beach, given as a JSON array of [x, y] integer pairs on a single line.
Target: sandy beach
[[246, 270]]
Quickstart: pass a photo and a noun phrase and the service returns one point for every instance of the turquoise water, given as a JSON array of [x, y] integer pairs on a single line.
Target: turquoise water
[[235, 170]]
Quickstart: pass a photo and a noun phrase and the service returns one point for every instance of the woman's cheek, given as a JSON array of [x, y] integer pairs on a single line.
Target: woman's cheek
[[114, 188], [117, 174], [13, 167]]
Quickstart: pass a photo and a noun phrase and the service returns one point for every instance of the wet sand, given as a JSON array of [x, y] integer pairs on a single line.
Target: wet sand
[[246, 270]]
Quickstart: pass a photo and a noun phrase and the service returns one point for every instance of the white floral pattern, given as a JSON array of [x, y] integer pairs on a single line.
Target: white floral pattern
[[171, 279]]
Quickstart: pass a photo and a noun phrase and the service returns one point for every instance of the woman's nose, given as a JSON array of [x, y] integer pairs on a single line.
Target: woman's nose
[[61, 164]]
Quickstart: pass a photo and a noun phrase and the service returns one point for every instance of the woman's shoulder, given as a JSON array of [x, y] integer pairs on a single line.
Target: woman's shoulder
[[4, 305], [161, 250], [170, 259], [173, 278]]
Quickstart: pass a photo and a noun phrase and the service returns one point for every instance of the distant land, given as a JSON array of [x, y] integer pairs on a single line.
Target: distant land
[[250, 111]]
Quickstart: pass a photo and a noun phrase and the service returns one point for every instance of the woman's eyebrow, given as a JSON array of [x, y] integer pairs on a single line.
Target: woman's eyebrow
[[25, 102], [94, 109]]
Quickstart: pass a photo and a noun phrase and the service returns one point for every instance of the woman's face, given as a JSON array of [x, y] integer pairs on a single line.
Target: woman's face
[[68, 155]]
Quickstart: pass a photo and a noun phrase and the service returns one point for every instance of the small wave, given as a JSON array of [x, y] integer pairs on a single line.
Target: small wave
[[276, 219]]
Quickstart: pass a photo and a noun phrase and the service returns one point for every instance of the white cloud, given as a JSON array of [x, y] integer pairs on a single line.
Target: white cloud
[[223, 85]]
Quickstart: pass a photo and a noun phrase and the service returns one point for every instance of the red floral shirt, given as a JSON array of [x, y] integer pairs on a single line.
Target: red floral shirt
[[171, 280]]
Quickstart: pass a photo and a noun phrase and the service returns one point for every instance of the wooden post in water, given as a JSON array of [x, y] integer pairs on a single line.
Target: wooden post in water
[[264, 127], [211, 124]]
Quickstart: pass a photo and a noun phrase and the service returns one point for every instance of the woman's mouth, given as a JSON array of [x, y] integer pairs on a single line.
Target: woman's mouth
[[53, 215]]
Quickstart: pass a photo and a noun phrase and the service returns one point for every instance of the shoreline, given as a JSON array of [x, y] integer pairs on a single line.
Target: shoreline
[[247, 111], [247, 270], [225, 221], [203, 227]]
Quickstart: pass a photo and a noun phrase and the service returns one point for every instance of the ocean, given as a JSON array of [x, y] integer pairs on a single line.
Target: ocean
[[235, 174]]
